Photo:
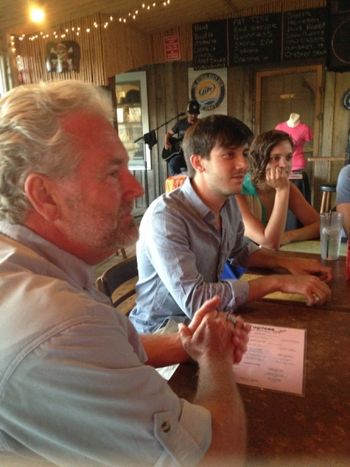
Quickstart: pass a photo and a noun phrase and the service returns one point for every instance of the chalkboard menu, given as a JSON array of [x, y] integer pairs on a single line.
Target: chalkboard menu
[[255, 39], [305, 34], [339, 50], [209, 44], [270, 38]]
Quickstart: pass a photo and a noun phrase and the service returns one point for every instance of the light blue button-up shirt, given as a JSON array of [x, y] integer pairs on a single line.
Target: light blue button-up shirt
[[181, 255], [74, 389], [343, 185]]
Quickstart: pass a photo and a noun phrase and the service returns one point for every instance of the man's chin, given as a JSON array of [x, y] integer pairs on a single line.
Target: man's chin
[[235, 189], [129, 238]]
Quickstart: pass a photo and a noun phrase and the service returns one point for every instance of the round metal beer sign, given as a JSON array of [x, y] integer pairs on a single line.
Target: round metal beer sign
[[209, 90]]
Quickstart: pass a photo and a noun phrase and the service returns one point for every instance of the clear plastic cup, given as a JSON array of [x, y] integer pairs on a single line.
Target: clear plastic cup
[[331, 224]]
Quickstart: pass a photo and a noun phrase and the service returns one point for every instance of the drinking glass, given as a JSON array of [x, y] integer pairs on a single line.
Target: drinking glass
[[331, 224]]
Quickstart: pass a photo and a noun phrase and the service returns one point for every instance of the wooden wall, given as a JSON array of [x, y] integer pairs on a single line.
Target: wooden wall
[[109, 47], [119, 48], [335, 125], [105, 51], [336, 119], [168, 94]]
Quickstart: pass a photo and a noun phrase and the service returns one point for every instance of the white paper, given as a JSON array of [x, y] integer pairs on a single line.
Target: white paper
[[274, 359], [167, 371]]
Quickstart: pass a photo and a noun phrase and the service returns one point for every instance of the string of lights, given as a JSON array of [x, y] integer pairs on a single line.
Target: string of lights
[[58, 33]]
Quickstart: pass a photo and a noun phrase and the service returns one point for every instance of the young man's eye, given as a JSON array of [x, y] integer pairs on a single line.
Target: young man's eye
[[228, 155]]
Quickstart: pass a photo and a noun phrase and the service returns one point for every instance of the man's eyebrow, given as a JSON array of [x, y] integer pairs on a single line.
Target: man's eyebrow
[[281, 153], [116, 161], [232, 147]]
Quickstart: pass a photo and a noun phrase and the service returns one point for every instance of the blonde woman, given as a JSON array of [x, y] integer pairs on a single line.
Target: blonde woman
[[267, 194]]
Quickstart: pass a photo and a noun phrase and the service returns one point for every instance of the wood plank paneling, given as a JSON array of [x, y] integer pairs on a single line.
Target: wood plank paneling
[[167, 96], [120, 48], [341, 115], [125, 49], [240, 94]]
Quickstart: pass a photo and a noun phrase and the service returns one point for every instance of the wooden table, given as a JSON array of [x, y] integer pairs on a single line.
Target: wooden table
[[340, 300], [310, 246], [340, 287], [284, 429]]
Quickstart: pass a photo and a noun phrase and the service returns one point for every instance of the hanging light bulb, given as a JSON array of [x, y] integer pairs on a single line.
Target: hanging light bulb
[[36, 13]]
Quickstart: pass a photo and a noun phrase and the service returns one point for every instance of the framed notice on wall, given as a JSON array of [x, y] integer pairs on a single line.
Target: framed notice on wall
[[209, 88], [172, 47]]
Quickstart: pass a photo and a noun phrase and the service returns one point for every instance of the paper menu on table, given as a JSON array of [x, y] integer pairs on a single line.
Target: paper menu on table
[[274, 359]]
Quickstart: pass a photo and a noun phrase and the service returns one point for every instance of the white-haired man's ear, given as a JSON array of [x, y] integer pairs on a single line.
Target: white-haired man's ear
[[40, 193]]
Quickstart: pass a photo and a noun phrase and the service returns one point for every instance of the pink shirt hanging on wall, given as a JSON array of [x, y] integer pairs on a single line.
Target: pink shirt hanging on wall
[[300, 134]]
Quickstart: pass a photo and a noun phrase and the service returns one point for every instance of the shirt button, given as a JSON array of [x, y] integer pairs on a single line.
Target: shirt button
[[166, 427]]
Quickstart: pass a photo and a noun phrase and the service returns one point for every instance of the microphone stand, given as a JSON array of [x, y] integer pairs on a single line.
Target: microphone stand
[[150, 137]]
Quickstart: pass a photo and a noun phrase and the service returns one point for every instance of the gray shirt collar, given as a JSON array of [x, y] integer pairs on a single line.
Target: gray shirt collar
[[196, 202]]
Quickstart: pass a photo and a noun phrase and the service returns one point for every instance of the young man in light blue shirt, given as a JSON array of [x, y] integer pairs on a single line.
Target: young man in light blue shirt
[[186, 237]]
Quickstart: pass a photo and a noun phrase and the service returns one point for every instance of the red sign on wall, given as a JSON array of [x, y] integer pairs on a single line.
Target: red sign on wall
[[172, 47]]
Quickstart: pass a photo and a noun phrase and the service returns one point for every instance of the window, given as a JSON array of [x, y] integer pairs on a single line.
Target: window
[[132, 117]]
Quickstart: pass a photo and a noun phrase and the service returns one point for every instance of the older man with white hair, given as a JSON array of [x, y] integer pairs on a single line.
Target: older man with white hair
[[76, 382]]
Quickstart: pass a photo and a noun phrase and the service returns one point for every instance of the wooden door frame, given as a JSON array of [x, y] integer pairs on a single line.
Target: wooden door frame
[[287, 71]]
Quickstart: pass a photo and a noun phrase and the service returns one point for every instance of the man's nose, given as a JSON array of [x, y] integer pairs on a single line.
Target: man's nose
[[242, 161], [132, 188]]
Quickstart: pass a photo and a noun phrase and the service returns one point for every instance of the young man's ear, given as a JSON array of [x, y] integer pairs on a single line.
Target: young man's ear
[[40, 193], [197, 162]]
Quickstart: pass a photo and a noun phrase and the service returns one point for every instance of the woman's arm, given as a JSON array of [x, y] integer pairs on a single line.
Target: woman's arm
[[305, 214], [270, 235]]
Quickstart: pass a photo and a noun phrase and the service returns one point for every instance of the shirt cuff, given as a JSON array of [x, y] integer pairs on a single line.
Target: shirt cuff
[[185, 440], [241, 288]]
